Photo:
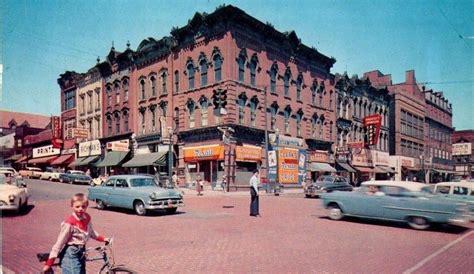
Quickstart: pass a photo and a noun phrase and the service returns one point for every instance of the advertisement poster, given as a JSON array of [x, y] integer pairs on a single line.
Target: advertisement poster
[[302, 166], [288, 165]]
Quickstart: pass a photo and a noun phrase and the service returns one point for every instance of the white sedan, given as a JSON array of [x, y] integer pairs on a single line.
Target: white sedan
[[13, 193], [51, 174]]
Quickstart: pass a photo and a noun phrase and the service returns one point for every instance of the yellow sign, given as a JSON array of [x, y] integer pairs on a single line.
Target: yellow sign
[[201, 153], [248, 153], [288, 165]]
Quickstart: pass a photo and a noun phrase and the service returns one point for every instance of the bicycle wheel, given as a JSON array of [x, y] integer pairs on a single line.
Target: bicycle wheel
[[120, 269]]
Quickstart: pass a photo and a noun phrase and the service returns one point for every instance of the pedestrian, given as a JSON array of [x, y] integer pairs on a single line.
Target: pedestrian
[[254, 211], [72, 238], [224, 183], [199, 185], [88, 172]]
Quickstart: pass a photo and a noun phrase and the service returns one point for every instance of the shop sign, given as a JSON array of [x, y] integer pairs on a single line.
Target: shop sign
[[56, 127], [285, 141], [68, 151], [77, 133], [122, 145], [373, 123], [342, 150], [288, 163], [380, 158], [320, 156], [45, 151], [247, 153], [89, 148], [363, 158], [302, 166], [407, 162], [201, 153], [462, 149]]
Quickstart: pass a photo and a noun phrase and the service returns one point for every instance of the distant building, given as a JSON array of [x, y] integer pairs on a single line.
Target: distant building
[[463, 153]]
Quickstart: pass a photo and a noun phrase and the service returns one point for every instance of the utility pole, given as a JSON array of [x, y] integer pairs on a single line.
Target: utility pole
[[170, 157], [266, 133]]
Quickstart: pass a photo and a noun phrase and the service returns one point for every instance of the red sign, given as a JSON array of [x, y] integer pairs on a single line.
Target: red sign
[[56, 132], [373, 124]]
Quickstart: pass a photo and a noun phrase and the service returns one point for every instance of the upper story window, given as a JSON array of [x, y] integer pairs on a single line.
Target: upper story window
[[287, 114], [126, 127], [191, 71], [89, 101], [97, 98], [176, 118], [273, 114], [117, 122], [321, 92], [82, 104], [163, 78], [253, 70], [117, 92], [69, 99], [176, 81], [203, 68], [320, 126], [153, 117], [109, 95], [314, 122], [241, 102], [142, 89], [314, 91], [241, 60], [125, 89], [153, 85], [217, 67], [191, 111], [204, 113], [299, 86], [253, 110], [299, 118], [273, 77], [142, 119], [109, 124], [286, 82], [164, 108]]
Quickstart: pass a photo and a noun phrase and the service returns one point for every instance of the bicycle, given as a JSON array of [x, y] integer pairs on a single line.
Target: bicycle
[[98, 253]]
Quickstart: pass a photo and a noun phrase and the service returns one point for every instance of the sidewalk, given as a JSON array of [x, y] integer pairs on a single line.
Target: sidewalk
[[240, 192]]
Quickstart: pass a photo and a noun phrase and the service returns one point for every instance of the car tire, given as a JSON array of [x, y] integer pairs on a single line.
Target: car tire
[[99, 204], [307, 196], [419, 223], [171, 210], [139, 207], [24, 206], [61, 180], [335, 212], [50, 179], [71, 181]]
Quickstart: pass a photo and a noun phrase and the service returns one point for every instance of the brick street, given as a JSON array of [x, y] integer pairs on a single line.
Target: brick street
[[214, 234]]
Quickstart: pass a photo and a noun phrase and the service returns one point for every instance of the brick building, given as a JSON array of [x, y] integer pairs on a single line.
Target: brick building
[[463, 153]]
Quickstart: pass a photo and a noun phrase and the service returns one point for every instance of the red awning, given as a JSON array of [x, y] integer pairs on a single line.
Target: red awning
[[63, 159], [42, 160], [22, 159]]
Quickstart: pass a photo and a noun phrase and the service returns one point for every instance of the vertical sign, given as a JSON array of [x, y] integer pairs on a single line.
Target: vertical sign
[[373, 123], [56, 140], [302, 166]]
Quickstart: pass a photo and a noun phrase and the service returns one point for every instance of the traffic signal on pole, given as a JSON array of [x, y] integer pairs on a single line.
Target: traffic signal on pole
[[219, 98]]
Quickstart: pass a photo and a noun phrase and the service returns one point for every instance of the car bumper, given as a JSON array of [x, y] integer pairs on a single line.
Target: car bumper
[[81, 181], [458, 221], [8, 207], [314, 192], [164, 205]]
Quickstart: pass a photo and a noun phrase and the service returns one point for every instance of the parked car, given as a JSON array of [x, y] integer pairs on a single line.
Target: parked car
[[138, 192], [51, 174], [75, 176], [462, 191], [327, 184], [408, 202], [31, 172], [13, 192], [10, 169]]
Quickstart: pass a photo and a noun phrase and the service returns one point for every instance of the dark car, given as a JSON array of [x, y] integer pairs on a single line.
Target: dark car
[[75, 177], [327, 184]]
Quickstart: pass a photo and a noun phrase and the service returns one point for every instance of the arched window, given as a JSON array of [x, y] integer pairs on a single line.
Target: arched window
[[117, 122], [203, 68], [314, 91], [176, 118], [321, 126], [299, 86], [241, 102], [217, 67], [314, 122], [191, 110], [153, 117], [273, 77], [241, 63], [191, 71], [164, 79], [125, 89], [142, 89], [153, 85], [299, 118], [253, 110], [253, 70], [176, 81], [117, 92], [287, 119], [125, 121], [273, 113], [108, 90], [286, 82], [204, 111]]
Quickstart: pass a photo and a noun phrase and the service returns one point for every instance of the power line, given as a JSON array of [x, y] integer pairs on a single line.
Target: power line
[[452, 26]]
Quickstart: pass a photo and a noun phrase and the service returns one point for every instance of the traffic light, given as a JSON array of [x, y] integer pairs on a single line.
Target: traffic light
[[219, 98]]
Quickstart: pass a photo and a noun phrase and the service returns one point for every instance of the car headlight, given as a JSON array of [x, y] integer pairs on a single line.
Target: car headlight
[[153, 195], [11, 197]]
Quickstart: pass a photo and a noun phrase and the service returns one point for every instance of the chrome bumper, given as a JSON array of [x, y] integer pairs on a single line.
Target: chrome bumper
[[164, 204]]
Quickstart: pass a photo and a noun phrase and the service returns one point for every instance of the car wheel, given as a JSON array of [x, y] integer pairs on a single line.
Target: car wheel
[[418, 223], [24, 206], [139, 208], [307, 196], [335, 212], [50, 179], [61, 180], [71, 181], [171, 210], [99, 204]]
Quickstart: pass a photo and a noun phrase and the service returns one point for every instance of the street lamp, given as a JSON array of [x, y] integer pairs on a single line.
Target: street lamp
[[170, 157]]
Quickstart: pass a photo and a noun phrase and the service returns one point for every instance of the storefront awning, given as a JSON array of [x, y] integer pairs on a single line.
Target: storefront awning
[[321, 167], [88, 160], [379, 169], [346, 167], [15, 157], [21, 160], [149, 159], [203, 153], [386, 169], [444, 171], [112, 158], [42, 160], [63, 159], [364, 169]]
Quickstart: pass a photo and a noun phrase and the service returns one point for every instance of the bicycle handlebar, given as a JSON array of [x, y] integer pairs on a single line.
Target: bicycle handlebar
[[43, 257]]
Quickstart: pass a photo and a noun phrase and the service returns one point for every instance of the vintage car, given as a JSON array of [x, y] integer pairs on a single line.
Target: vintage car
[[138, 192], [408, 202], [75, 176], [9, 169], [462, 191], [51, 174], [327, 184], [13, 192], [31, 172]]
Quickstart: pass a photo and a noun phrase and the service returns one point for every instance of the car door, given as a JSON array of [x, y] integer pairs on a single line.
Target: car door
[[121, 193], [361, 203], [399, 203], [107, 190]]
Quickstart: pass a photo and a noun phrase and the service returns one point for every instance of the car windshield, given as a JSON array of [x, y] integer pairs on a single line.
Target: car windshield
[[77, 172], [143, 182]]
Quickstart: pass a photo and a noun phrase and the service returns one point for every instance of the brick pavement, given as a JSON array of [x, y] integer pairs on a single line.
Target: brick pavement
[[214, 234]]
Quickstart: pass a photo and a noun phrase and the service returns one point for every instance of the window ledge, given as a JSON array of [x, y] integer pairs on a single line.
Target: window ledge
[[287, 97]]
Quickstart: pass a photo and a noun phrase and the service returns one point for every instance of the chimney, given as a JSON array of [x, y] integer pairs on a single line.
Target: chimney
[[410, 77]]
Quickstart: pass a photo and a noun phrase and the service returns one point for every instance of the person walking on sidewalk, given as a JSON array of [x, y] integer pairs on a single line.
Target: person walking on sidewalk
[[199, 185], [254, 203]]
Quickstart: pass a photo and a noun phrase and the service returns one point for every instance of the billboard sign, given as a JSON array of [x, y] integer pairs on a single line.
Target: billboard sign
[[462, 149]]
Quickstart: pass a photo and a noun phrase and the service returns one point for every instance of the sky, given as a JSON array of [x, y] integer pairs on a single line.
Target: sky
[[42, 39]]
